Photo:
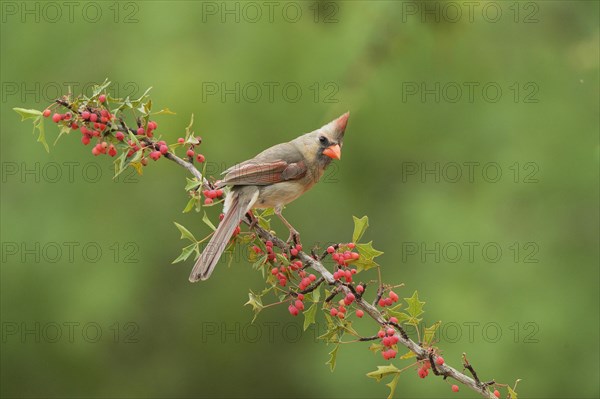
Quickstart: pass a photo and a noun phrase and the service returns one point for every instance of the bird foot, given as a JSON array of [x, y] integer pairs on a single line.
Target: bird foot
[[253, 220], [294, 238]]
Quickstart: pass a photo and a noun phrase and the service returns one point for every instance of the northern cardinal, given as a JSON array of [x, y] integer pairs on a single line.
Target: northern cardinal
[[272, 179]]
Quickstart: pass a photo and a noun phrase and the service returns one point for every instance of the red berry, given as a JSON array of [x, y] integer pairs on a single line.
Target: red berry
[[299, 304], [85, 115], [454, 388], [93, 117], [333, 312], [301, 297], [381, 333], [120, 136], [393, 296], [388, 301], [102, 98], [274, 271], [359, 313], [360, 289], [46, 113], [351, 245], [294, 252], [219, 193], [381, 302], [56, 118], [269, 243], [390, 331], [208, 201], [293, 310], [155, 155], [312, 277], [200, 158], [439, 361], [341, 315], [422, 373], [350, 298], [181, 140], [190, 153], [497, 393], [152, 125], [112, 151], [74, 126], [393, 320], [85, 139], [330, 249], [140, 131], [164, 149]]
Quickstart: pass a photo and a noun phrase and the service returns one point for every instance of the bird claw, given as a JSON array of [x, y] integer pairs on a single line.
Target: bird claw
[[294, 238]]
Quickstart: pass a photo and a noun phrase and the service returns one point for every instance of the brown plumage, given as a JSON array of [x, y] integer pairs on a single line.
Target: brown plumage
[[272, 179]]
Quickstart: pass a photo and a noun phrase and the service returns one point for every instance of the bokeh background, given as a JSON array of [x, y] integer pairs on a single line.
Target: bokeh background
[[530, 312]]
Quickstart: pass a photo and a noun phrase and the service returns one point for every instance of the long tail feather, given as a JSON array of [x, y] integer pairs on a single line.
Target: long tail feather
[[239, 204]]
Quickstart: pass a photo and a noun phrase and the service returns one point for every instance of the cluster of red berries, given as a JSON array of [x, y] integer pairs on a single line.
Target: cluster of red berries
[[391, 299], [190, 152], [282, 272], [389, 339], [297, 305], [211, 195], [343, 258], [341, 310]]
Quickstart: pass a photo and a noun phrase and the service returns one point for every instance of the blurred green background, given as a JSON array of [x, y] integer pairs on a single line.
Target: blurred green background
[[530, 312]]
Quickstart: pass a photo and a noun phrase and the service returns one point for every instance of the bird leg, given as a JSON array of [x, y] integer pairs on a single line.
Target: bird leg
[[294, 235], [252, 219]]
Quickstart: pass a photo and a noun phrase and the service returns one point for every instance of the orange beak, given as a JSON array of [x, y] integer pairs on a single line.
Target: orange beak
[[333, 151]]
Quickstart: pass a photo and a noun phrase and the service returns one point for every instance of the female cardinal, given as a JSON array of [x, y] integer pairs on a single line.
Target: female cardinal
[[272, 179]]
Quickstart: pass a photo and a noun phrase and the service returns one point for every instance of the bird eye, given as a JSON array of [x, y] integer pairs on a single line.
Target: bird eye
[[323, 140]]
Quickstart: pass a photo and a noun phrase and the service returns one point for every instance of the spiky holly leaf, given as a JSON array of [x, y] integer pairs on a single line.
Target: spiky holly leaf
[[207, 221], [392, 385], [360, 226], [512, 394], [383, 371], [333, 357], [309, 316], [186, 252], [429, 333], [376, 348], [256, 303], [415, 307], [185, 233], [367, 256], [408, 355]]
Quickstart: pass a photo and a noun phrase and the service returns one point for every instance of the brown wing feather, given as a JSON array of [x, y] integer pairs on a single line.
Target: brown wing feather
[[263, 173]]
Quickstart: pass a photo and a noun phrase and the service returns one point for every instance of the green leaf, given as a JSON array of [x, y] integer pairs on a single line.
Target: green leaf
[[360, 226], [392, 385], [429, 333], [408, 355], [166, 111], [39, 125], [185, 233], [63, 130], [367, 256], [255, 301], [415, 307], [333, 357], [207, 221], [28, 113], [512, 394], [186, 252], [190, 205], [264, 223], [309, 316], [375, 348], [383, 371]]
